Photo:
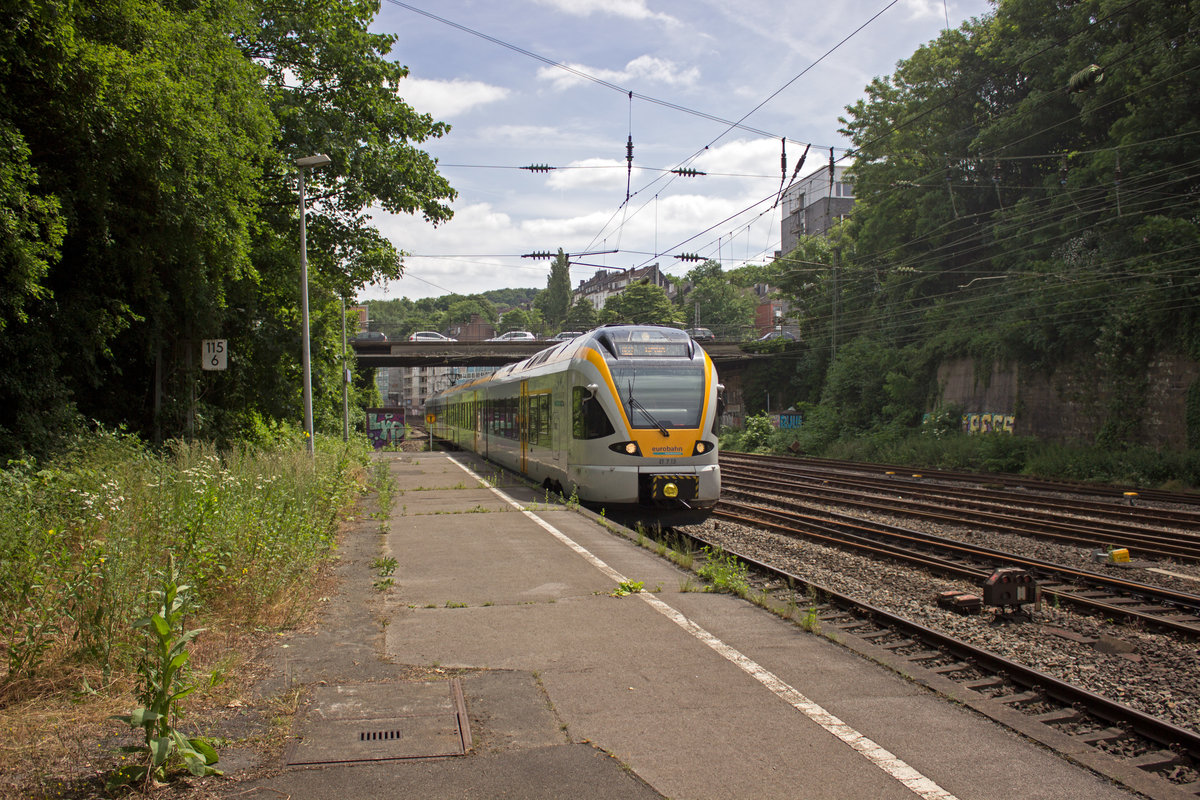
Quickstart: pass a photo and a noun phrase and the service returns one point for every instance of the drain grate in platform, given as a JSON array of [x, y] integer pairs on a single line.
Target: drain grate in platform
[[378, 736], [383, 722]]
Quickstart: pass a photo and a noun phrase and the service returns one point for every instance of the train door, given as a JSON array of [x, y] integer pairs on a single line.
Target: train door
[[523, 425], [486, 423], [476, 421]]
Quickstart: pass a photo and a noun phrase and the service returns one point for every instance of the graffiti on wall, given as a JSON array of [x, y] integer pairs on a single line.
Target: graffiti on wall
[[987, 422], [385, 426]]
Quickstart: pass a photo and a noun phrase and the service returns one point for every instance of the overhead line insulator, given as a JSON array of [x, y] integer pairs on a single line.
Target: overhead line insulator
[[539, 254], [689, 257], [539, 167], [688, 172]]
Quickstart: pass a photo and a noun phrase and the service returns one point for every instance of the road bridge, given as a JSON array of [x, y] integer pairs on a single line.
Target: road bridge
[[491, 354]]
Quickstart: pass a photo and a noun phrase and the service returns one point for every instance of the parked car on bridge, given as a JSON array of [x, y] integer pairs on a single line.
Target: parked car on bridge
[[429, 336], [370, 336], [701, 334], [514, 336], [565, 336]]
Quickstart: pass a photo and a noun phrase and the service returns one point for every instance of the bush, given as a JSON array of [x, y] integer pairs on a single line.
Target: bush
[[757, 432], [81, 536]]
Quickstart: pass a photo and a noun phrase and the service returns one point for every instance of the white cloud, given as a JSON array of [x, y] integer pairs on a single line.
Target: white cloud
[[747, 157], [521, 133], [447, 99], [924, 9], [630, 9], [590, 173], [648, 69]]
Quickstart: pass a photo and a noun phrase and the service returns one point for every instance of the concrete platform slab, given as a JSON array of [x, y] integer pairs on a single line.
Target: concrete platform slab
[[573, 692], [381, 722], [690, 722]]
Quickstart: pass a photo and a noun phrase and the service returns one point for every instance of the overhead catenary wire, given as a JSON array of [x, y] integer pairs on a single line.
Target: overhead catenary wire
[[778, 91], [739, 124], [580, 73], [744, 211]]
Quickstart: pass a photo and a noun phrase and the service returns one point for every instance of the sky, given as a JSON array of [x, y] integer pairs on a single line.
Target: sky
[[549, 82]]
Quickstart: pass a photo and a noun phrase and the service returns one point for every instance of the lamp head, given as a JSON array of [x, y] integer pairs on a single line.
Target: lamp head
[[319, 160]]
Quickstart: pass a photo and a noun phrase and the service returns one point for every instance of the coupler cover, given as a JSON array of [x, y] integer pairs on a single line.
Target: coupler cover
[[1011, 587]]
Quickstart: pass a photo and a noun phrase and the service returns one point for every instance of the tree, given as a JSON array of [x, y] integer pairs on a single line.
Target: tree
[[461, 309], [581, 316], [556, 299], [334, 91], [141, 174], [148, 201], [990, 154], [717, 303], [642, 303], [515, 320], [511, 298]]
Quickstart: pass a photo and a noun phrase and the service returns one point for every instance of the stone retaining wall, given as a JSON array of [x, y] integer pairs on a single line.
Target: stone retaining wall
[[1070, 403]]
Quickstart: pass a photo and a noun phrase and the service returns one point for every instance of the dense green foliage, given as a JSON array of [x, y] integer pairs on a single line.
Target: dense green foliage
[[82, 537], [399, 318], [148, 201], [714, 302], [1008, 210], [641, 303], [581, 316], [511, 298], [555, 301]]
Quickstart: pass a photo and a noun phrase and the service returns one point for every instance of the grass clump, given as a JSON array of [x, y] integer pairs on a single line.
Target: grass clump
[[724, 572], [625, 588]]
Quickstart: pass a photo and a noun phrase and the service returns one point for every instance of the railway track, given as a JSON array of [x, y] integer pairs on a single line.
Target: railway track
[[1101, 492], [1147, 754], [1110, 597], [1149, 533]]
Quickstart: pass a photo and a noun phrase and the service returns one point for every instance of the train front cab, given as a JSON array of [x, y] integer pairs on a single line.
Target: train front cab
[[644, 410]]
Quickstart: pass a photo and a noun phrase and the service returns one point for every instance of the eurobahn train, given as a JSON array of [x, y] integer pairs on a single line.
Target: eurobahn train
[[624, 417]]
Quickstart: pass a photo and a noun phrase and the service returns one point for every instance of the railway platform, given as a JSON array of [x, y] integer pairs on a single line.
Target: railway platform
[[481, 646]]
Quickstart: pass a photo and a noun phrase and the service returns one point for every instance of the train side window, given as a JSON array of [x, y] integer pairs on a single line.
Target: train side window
[[588, 420]]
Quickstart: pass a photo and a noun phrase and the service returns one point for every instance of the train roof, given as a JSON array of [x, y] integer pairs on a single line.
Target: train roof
[[618, 340]]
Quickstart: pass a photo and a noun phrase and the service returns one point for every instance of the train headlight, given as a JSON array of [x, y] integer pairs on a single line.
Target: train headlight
[[670, 490], [702, 447], [626, 448]]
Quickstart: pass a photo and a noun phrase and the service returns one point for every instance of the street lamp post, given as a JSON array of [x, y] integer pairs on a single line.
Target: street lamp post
[[345, 380], [308, 162]]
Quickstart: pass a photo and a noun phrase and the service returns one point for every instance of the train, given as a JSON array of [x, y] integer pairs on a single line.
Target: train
[[624, 417]]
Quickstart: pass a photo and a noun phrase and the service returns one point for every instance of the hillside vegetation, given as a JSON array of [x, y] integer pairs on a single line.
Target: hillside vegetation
[[1026, 191]]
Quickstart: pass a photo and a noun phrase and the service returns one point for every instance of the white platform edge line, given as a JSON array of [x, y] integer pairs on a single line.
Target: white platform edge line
[[895, 767]]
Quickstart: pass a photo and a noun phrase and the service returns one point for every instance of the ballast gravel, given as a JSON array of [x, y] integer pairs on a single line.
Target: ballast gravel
[[1156, 673]]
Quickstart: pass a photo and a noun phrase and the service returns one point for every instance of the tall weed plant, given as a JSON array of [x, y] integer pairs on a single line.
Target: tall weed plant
[[82, 536]]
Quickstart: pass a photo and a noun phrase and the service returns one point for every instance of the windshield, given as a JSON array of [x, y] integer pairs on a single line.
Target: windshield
[[670, 394]]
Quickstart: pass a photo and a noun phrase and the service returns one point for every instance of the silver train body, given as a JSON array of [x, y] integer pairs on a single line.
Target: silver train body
[[624, 417]]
